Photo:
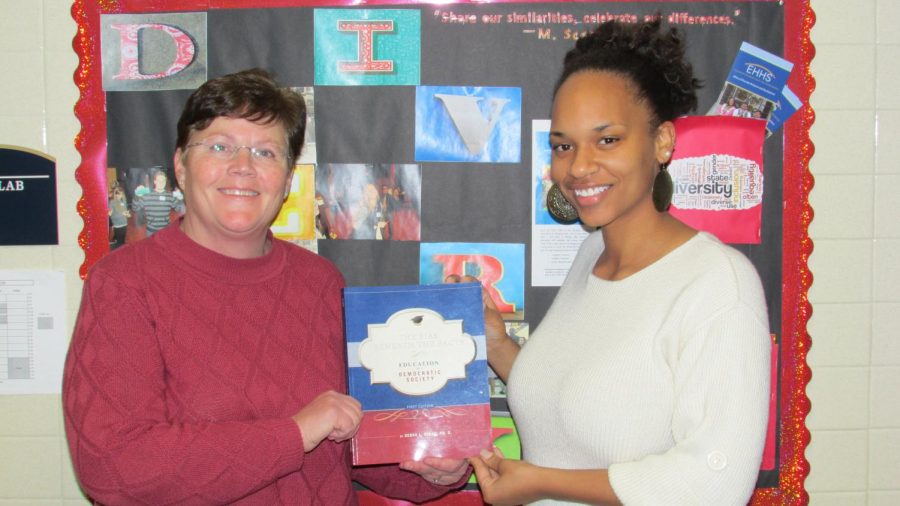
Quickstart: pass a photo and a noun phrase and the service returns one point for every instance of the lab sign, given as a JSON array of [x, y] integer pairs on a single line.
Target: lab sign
[[27, 197]]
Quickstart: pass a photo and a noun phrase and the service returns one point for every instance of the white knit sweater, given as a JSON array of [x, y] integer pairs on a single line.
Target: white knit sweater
[[662, 377]]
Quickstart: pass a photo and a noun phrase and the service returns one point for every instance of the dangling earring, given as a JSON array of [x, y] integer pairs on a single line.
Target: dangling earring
[[663, 187], [559, 207]]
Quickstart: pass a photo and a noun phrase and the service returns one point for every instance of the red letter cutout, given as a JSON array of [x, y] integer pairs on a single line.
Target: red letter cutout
[[366, 61], [491, 270]]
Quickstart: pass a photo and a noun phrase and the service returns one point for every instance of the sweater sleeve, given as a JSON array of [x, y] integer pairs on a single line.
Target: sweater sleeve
[[124, 446], [721, 380]]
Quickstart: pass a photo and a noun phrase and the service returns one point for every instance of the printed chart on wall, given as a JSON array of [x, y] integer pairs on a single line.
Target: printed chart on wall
[[32, 332], [426, 154]]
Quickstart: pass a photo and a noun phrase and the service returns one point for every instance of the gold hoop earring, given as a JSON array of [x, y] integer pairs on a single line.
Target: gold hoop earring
[[560, 208]]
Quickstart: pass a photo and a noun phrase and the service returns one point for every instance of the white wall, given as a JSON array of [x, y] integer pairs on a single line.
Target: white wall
[[855, 420], [37, 94], [855, 328]]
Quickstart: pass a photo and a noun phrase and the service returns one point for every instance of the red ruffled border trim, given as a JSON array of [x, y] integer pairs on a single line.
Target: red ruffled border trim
[[798, 181]]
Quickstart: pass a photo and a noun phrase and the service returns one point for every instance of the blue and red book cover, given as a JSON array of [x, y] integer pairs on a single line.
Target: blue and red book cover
[[417, 362]]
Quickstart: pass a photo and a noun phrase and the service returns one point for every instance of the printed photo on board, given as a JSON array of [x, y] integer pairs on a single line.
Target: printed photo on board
[[368, 201]]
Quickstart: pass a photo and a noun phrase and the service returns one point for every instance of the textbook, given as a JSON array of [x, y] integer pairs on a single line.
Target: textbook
[[417, 362]]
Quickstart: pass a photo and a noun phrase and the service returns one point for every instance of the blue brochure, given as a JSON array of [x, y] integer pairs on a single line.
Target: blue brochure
[[784, 108], [754, 84], [760, 72]]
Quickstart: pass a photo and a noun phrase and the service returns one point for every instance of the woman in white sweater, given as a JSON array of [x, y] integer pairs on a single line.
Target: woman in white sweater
[[647, 381]]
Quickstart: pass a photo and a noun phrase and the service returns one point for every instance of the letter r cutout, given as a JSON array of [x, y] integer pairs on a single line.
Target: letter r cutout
[[491, 271]]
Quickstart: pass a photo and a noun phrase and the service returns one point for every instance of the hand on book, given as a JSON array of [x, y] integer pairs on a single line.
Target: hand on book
[[504, 481], [331, 416], [439, 471]]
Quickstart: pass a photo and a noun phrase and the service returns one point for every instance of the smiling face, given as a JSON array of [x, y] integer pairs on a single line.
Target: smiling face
[[159, 182], [605, 151], [230, 204]]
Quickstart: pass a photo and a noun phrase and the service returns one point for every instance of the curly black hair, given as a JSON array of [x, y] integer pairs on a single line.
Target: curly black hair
[[651, 57], [250, 94]]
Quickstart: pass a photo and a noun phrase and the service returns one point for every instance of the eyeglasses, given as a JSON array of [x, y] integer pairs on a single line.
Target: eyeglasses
[[225, 151]]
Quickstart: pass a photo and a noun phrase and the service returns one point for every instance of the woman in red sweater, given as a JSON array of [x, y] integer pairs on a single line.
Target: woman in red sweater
[[207, 365]]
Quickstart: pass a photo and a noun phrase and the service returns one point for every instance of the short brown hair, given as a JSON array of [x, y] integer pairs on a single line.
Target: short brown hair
[[252, 95]]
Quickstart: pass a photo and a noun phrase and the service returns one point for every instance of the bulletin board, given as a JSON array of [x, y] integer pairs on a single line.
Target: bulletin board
[[448, 191]]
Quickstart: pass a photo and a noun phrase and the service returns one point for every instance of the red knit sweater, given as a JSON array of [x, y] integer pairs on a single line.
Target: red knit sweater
[[185, 369]]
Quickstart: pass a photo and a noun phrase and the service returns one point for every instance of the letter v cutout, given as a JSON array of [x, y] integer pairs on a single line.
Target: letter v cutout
[[470, 123]]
